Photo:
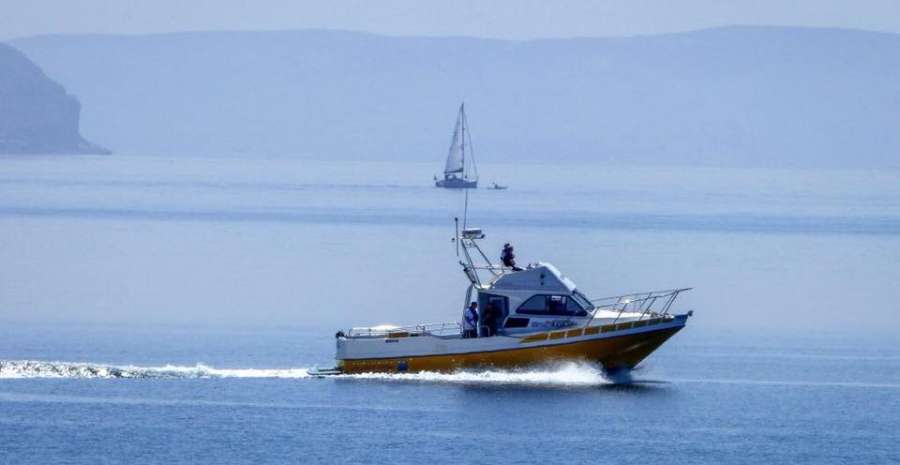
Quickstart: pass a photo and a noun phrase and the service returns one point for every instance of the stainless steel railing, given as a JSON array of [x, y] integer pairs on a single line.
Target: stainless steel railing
[[650, 304], [437, 329]]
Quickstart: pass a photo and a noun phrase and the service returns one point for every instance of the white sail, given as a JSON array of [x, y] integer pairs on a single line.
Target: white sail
[[455, 159]]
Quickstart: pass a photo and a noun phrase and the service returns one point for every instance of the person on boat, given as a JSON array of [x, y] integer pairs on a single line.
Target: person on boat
[[470, 321], [489, 320], [508, 257]]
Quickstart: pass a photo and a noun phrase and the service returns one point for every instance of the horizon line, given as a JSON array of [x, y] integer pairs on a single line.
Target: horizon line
[[187, 32]]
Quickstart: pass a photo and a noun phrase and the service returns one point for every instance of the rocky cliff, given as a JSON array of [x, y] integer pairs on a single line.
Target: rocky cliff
[[36, 113]]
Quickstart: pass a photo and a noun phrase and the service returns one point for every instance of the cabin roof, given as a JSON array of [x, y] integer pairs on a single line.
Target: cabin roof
[[541, 277]]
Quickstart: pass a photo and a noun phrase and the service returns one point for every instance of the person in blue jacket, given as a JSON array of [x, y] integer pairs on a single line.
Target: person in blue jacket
[[470, 321]]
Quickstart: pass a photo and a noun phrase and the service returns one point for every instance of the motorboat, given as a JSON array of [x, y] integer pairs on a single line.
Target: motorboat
[[497, 187], [527, 316], [459, 172]]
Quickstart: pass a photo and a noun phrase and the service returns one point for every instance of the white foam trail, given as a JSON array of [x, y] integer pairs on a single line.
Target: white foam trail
[[562, 375], [18, 369]]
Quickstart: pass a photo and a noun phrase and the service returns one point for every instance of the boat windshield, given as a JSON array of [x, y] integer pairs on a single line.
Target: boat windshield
[[582, 300]]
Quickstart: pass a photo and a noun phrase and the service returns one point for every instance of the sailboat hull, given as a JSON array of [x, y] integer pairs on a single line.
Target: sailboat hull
[[456, 183]]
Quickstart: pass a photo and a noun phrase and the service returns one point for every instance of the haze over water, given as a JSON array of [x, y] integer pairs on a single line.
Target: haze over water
[[211, 284]]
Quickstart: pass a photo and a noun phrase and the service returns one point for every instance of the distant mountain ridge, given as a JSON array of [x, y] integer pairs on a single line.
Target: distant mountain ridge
[[36, 114], [755, 96]]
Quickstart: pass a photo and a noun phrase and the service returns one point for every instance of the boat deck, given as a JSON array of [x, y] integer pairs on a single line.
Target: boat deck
[[603, 319]]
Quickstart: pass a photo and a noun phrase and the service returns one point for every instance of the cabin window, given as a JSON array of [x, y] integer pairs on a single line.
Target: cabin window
[[535, 305], [543, 304], [513, 322], [556, 304], [574, 308], [582, 300]]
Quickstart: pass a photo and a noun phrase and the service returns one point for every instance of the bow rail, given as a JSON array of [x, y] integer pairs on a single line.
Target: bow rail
[[652, 304]]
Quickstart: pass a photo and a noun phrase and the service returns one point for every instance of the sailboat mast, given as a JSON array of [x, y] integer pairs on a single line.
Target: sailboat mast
[[465, 122], [462, 140]]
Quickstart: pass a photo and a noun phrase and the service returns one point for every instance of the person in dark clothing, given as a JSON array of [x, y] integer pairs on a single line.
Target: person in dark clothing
[[508, 257], [489, 320]]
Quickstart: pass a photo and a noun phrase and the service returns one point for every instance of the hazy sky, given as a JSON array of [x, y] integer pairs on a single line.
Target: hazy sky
[[522, 19]]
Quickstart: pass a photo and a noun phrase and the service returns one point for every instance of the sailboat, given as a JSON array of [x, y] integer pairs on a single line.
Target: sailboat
[[457, 174]]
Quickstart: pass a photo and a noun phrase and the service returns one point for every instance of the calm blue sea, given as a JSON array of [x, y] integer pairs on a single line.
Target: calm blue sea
[[157, 310]]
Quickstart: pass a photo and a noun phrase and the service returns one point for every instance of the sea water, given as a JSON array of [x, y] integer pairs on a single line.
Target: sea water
[[165, 310]]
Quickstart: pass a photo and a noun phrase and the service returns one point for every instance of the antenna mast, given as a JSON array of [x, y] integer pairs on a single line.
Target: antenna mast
[[466, 210]]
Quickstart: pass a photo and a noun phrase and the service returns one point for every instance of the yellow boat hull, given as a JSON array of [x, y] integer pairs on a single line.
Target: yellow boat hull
[[615, 352]]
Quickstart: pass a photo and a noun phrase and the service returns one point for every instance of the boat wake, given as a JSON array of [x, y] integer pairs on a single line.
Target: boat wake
[[561, 375], [19, 369]]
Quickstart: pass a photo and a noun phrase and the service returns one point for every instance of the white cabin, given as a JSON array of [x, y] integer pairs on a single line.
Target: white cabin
[[538, 298]]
